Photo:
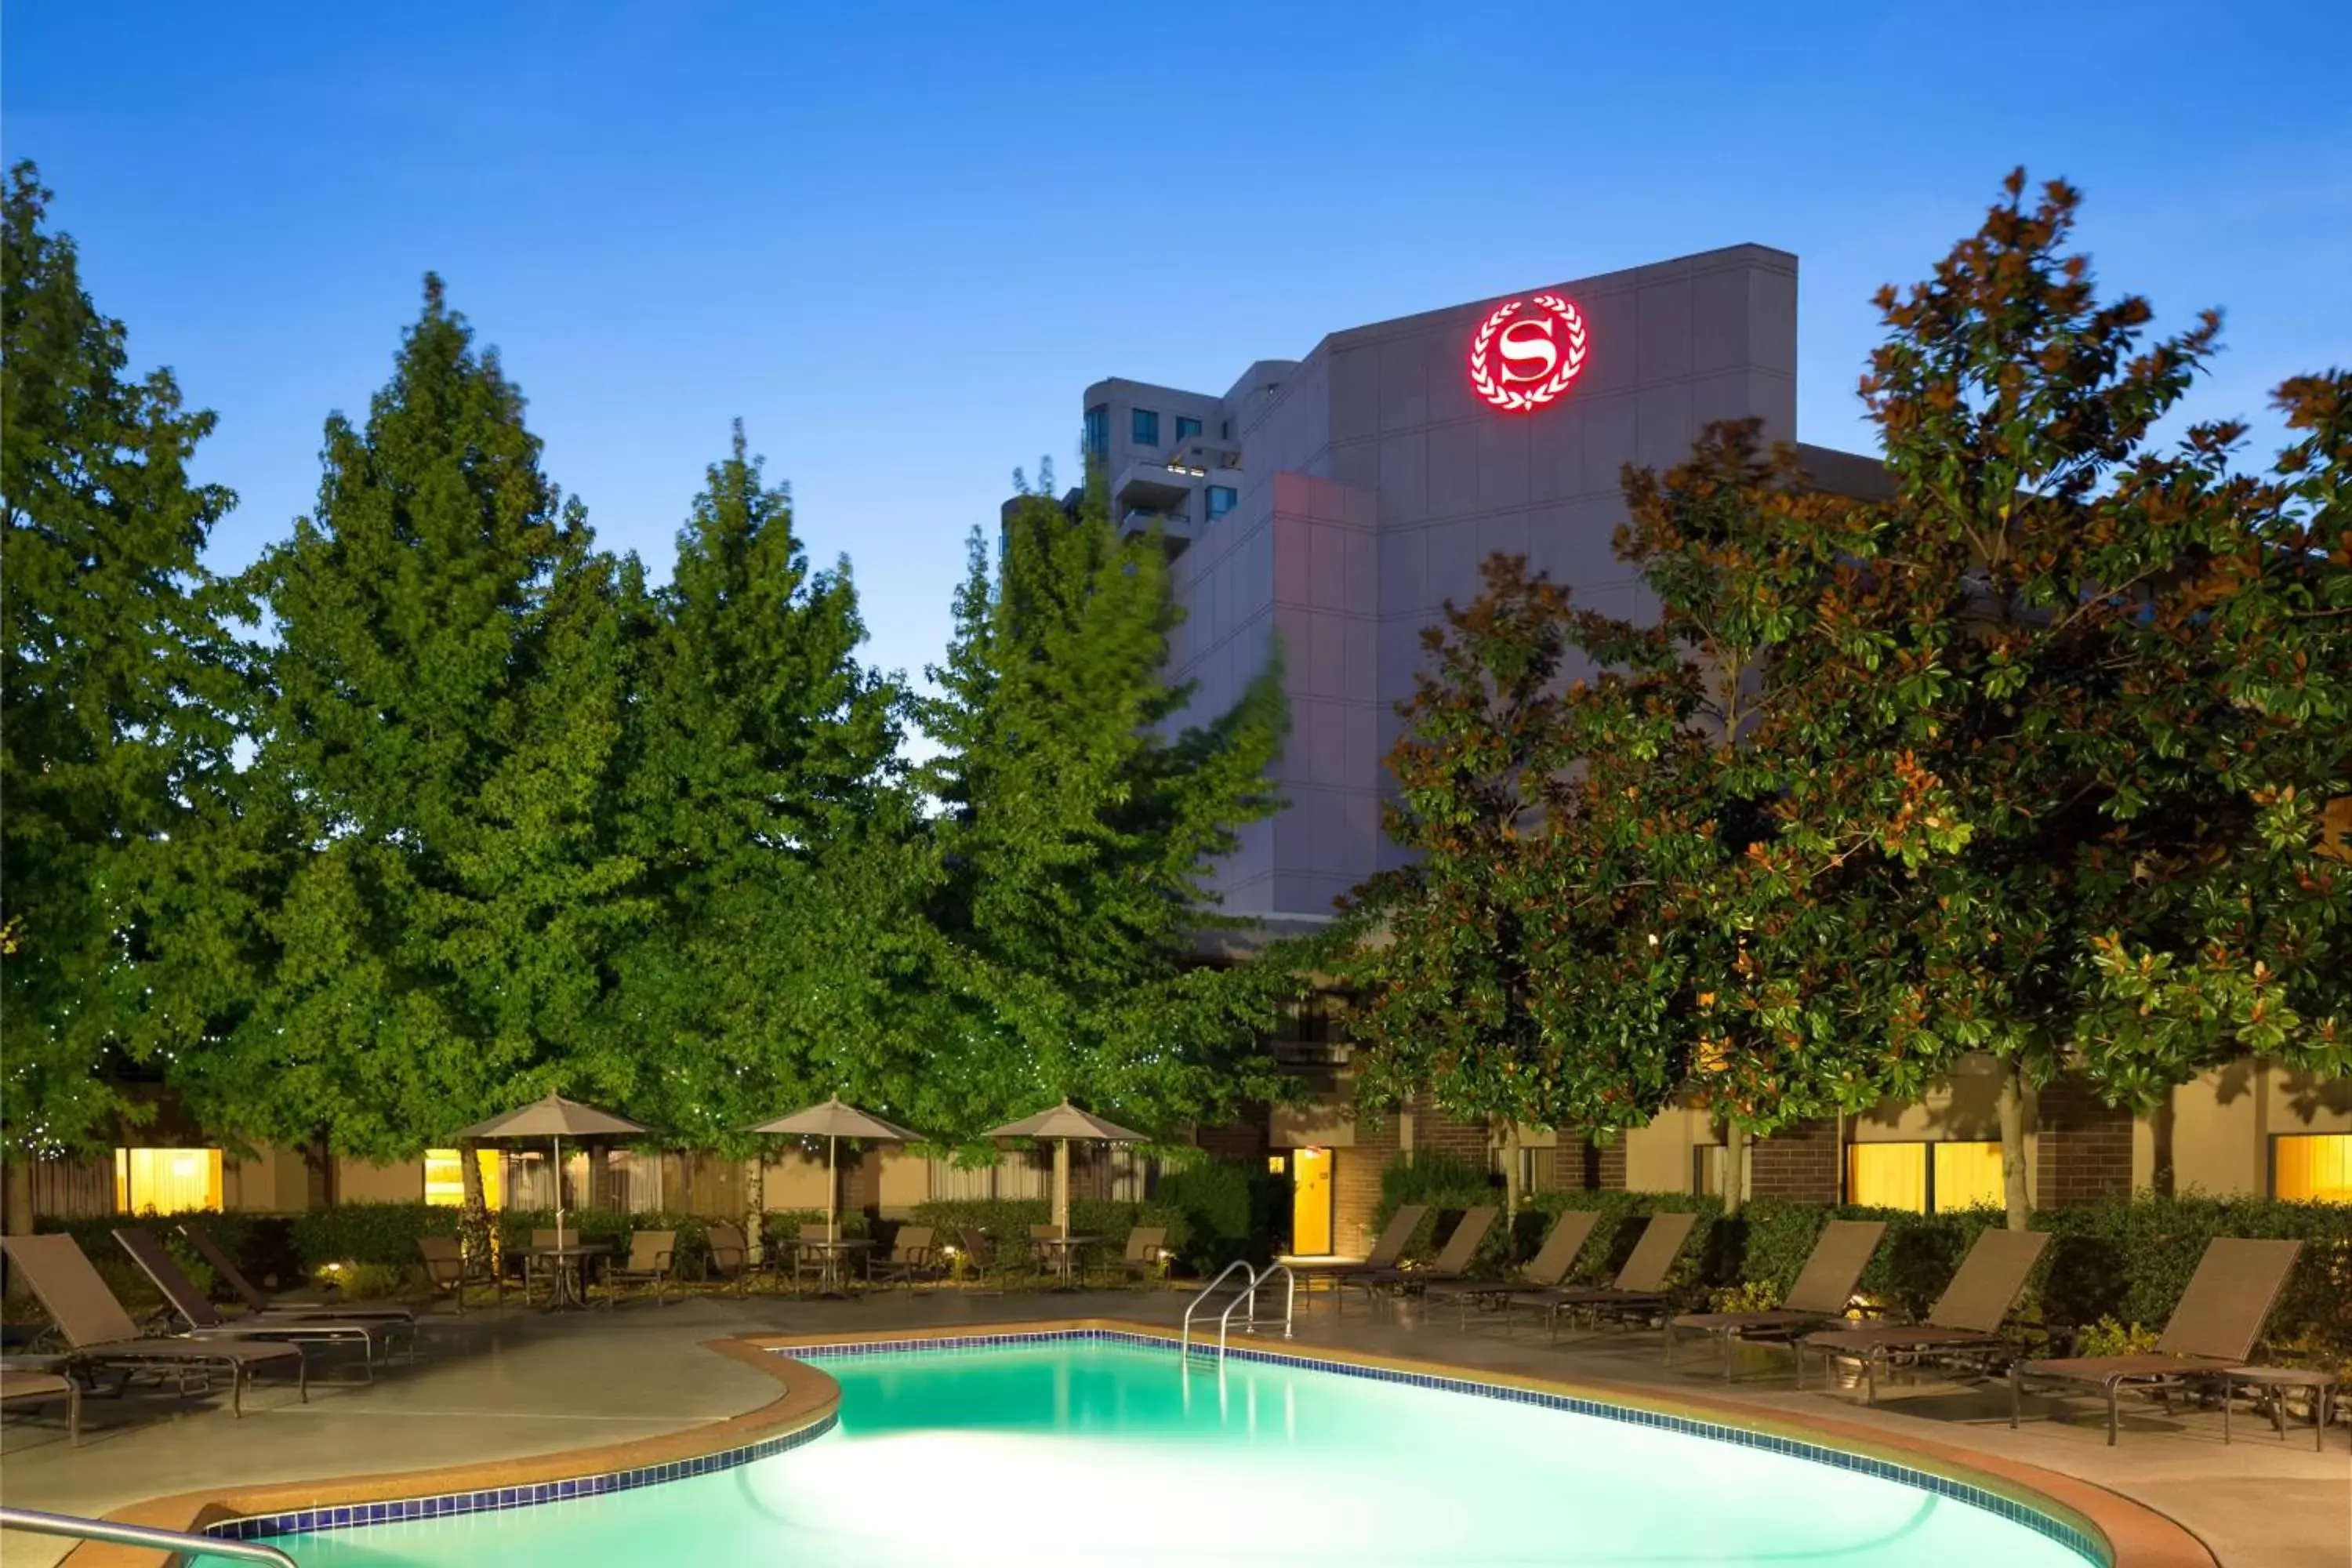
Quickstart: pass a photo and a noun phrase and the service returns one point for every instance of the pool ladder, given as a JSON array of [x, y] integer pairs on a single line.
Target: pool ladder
[[1245, 1296]]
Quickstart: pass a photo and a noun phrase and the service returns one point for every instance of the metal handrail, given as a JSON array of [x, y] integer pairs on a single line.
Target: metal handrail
[[1184, 1341], [35, 1522]]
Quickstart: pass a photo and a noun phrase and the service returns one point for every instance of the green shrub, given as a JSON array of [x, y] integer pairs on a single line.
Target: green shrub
[[361, 1282], [1229, 1210], [2108, 1337], [369, 1233], [96, 1238]]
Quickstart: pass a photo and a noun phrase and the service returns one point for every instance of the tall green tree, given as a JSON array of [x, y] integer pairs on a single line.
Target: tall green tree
[[120, 689], [441, 742], [1078, 819]]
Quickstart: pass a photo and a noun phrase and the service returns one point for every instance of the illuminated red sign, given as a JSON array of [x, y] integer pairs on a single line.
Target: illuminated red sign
[[1522, 362]]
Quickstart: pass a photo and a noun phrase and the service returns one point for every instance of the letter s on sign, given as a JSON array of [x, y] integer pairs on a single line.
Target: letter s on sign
[[1528, 339]]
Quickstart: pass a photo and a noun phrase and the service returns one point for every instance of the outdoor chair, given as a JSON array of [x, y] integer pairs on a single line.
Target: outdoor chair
[[226, 1271], [1823, 1290], [1964, 1325], [1140, 1259], [809, 1263], [2212, 1329], [101, 1334], [1640, 1288], [1041, 1256], [911, 1257], [1452, 1262], [187, 1303], [652, 1254], [1386, 1249], [25, 1387], [446, 1269], [727, 1255], [984, 1264], [1542, 1272]]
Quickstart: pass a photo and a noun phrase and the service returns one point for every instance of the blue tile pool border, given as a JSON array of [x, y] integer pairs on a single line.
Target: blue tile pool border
[[488, 1499], [2082, 1543]]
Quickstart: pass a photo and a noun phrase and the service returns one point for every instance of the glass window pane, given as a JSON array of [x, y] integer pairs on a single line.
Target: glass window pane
[[1098, 431], [2312, 1167], [1144, 426], [1222, 498], [1888, 1175], [1968, 1176], [445, 1179], [167, 1181], [1186, 428]]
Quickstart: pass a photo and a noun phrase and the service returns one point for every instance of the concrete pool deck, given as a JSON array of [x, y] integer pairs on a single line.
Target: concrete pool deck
[[497, 1387]]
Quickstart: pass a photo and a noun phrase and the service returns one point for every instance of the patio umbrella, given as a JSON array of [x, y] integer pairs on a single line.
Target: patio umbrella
[[554, 1118], [1065, 1124], [833, 1121]]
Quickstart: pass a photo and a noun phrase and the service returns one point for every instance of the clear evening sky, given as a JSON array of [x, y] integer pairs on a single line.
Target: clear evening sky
[[899, 240]]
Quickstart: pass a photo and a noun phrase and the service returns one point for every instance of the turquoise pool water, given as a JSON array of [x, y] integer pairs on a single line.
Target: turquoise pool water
[[1068, 1452]]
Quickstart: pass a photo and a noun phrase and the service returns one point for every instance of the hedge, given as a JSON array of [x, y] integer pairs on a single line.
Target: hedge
[[262, 1245]]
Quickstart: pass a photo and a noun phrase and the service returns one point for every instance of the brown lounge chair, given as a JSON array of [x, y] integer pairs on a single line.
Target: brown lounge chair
[[1543, 1272], [912, 1256], [726, 1253], [23, 1387], [651, 1254], [1641, 1285], [1452, 1262], [2212, 1329], [204, 1322], [1140, 1258], [1823, 1290], [1964, 1323], [1387, 1247], [226, 1271], [446, 1267], [102, 1334]]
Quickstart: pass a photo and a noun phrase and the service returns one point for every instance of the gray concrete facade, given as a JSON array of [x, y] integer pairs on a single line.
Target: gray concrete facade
[[1331, 505]]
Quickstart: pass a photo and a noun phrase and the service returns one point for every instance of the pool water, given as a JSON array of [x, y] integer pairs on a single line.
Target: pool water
[[1078, 1451]]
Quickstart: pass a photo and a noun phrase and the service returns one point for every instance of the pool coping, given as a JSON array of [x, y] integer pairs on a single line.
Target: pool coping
[[2128, 1533]]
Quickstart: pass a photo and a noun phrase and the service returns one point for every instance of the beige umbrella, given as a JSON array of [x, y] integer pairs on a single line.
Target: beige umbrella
[[833, 1121], [1065, 1124], [555, 1118]]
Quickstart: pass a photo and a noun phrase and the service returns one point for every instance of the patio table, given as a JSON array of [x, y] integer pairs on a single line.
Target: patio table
[[830, 1255], [1065, 1252], [2276, 1379], [566, 1295]]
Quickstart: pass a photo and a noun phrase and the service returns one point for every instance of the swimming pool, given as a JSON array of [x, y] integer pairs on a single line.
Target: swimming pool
[[1106, 1447]]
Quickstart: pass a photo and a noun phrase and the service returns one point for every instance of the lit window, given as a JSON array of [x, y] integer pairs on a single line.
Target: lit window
[[1186, 428], [1925, 1178], [1967, 1175], [166, 1181], [1221, 500], [1143, 425], [1098, 432], [2309, 1167], [445, 1178]]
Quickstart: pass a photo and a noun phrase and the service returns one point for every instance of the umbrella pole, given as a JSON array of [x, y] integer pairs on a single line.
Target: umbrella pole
[[832, 1190], [559, 1198], [1062, 1187]]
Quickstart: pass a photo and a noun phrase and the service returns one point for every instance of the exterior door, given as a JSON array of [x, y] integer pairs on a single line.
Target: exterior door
[[1310, 1202]]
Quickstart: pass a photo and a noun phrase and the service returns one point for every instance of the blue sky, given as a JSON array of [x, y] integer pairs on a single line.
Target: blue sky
[[899, 241]]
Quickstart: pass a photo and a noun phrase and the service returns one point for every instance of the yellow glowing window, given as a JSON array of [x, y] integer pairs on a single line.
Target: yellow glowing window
[[1888, 1175], [166, 1181], [1968, 1176], [445, 1178], [2313, 1167]]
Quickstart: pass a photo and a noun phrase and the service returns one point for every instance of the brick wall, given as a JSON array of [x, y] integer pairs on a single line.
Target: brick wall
[[1435, 1133], [1243, 1140], [1612, 1164], [1356, 1185], [1800, 1164], [1579, 1165], [2084, 1154]]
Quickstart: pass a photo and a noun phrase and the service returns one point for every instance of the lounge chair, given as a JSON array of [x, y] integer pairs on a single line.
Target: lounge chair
[[188, 1303], [226, 1271], [1452, 1262], [727, 1254], [1140, 1259], [102, 1334], [1542, 1272], [1386, 1249], [1963, 1325], [1041, 1256], [651, 1256], [25, 1387], [1823, 1290], [446, 1269], [984, 1259], [2212, 1329], [912, 1257], [1641, 1284]]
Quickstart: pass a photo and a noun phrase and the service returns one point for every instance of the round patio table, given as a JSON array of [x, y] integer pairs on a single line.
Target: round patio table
[[1064, 1251], [568, 1295], [2276, 1379], [830, 1255]]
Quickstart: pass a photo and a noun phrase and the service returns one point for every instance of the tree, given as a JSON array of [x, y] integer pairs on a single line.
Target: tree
[[118, 711], [765, 801], [1076, 824], [2085, 696], [441, 740]]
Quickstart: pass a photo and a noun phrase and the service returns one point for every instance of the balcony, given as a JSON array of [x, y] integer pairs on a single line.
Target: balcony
[[1175, 528], [1147, 485]]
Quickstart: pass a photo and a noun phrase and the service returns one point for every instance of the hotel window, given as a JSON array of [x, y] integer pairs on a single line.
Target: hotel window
[[445, 1178], [1225, 430], [1143, 427], [1098, 432], [1186, 428], [1221, 500], [1707, 1169], [2312, 1167], [166, 1181], [1925, 1178]]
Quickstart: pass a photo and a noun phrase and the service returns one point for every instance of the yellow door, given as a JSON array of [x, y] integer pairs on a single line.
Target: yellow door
[[1310, 1202]]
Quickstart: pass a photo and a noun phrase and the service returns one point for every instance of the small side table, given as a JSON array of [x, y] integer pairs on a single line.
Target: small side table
[[2278, 1379]]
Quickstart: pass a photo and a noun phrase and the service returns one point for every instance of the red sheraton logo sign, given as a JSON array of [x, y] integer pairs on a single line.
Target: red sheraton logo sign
[[1522, 361]]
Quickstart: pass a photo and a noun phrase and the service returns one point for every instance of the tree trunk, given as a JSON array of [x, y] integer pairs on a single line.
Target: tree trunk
[[1510, 1137], [1735, 1169], [755, 1204], [2013, 1149], [474, 1214]]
